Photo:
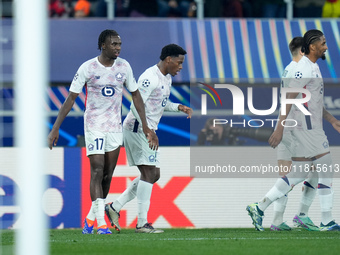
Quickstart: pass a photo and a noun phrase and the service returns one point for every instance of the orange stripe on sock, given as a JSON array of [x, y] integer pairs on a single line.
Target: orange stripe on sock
[[90, 222], [103, 226]]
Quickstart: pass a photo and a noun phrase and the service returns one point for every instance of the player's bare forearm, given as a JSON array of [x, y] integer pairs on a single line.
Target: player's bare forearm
[[53, 136], [328, 116], [331, 119], [186, 110], [139, 104]]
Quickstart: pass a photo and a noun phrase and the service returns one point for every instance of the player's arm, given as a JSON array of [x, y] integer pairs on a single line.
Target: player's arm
[[64, 110], [174, 107], [186, 110], [140, 108], [276, 137], [331, 119]]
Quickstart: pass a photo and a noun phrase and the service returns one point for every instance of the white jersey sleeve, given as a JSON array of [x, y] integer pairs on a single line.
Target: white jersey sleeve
[[171, 107], [130, 82], [80, 79]]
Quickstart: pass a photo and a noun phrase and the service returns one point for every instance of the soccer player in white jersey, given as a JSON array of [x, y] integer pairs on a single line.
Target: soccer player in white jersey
[[104, 78], [311, 144], [285, 152], [154, 86]]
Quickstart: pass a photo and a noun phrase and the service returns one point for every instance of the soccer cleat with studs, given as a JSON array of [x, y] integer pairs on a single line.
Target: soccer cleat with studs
[[253, 212], [113, 216], [305, 223], [331, 226], [282, 227], [87, 229], [148, 228]]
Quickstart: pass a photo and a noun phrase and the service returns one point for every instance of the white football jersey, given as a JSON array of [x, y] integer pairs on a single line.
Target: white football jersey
[[104, 88], [287, 76], [154, 88], [307, 75]]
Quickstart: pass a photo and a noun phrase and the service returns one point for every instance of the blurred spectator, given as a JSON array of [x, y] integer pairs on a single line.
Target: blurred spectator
[[60, 8], [232, 8], [121, 8], [308, 8], [273, 8], [174, 8], [213, 8], [145, 8], [331, 9], [82, 9], [228, 8], [7, 8]]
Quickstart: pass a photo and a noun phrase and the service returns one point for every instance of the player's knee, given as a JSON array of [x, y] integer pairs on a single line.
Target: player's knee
[[106, 180], [97, 173]]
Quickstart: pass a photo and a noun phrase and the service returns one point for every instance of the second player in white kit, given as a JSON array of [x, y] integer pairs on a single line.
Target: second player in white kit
[[154, 86]]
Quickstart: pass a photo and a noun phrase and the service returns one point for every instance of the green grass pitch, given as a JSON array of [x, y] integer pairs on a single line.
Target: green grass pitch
[[186, 241]]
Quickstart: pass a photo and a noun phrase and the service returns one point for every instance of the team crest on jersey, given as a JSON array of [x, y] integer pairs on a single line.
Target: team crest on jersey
[[298, 75], [90, 147], [284, 73], [76, 77], [119, 76], [97, 77], [145, 83], [152, 158], [325, 145]]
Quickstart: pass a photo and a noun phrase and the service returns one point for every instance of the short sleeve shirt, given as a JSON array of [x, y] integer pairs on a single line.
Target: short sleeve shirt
[[104, 89]]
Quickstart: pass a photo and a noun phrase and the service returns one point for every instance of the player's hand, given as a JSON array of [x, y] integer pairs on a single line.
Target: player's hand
[[53, 138], [336, 125], [275, 138], [186, 110], [152, 138]]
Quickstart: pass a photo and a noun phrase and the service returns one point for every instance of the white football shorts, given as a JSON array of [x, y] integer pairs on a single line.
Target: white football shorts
[[138, 151], [99, 142], [309, 143], [284, 149]]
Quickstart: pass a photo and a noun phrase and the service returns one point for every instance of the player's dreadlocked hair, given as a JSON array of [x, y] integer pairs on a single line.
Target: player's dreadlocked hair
[[172, 50], [310, 37], [295, 45], [103, 35]]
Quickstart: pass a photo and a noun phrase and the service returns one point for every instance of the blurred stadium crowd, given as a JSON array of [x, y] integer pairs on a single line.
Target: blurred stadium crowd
[[187, 8]]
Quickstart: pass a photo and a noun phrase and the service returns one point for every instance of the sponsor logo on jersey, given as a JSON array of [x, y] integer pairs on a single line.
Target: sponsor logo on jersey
[[164, 102], [97, 77], [108, 91]]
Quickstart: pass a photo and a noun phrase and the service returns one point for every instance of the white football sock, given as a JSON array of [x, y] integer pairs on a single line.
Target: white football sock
[[277, 191], [308, 193], [128, 194], [144, 190], [279, 209], [326, 204], [99, 212], [91, 215], [325, 186]]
